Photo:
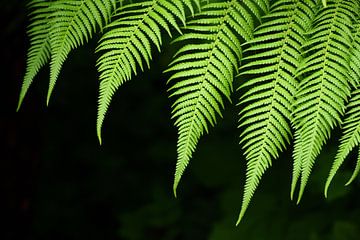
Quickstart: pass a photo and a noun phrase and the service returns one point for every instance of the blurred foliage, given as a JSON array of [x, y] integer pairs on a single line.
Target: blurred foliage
[[58, 183]]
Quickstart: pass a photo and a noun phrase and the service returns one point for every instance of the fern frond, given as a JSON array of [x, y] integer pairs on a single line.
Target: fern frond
[[39, 51], [324, 89], [73, 23], [270, 67], [356, 170], [128, 44], [354, 72], [203, 71], [350, 138]]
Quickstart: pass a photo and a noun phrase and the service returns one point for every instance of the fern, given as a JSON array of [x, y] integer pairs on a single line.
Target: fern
[[271, 63], [349, 140], [39, 51], [72, 24], [323, 92], [128, 42], [298, 62], [203, 71], [351, 126]]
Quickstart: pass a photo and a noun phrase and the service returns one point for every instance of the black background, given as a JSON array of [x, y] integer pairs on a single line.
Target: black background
[[56, 182]]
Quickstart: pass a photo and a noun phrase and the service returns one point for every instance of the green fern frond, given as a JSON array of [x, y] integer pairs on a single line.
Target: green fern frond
[[324, 89], [39, 52], [349, 140], [73, 23], [270, 67], [128, 43], [350, 137], [356, 170], [203, 71], [354, 72]]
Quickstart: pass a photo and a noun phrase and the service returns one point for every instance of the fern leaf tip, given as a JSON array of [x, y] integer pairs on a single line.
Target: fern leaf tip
[[99, 137], [348, 182], [19, 106], [175, 189], [327, 185], [241, 215], [299, 197]]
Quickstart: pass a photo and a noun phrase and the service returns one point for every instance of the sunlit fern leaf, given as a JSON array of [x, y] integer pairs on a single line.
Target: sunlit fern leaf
[[354, 72], [203, 71], [128, 40], [350, 138], [323, 91], [356, 170], [73, 23], [269, 68], [39, 50]]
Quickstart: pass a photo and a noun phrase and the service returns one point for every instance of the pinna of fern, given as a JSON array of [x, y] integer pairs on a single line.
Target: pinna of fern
[[324, 88], [268, 71], [128, 40], [351, 126], [56, 28], [203, 70]]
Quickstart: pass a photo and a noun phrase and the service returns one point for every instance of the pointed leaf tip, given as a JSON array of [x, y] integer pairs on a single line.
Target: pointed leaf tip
[[99, 136], [241, 214], [292, 191], [238, 221], [175, 188], [48, 98], [326, 189], [300, 196], [18, 106]]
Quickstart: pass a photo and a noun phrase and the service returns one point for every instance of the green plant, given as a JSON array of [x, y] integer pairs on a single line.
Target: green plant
[[297, 62]]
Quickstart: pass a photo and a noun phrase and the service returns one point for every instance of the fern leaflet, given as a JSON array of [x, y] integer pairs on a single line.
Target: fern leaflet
[[349, 140], [351, 130], [72, 24], [39, 51], [322, 93], [203, 71], [270, 79], [128, 42]]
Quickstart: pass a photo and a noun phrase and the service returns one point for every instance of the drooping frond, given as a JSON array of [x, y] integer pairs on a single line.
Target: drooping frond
[[269, 71], [39, 51], [128, 43], [350, 138], [203, 70], [356, 170], [351, 126], [323, 91], [73, 23], [354, 72]]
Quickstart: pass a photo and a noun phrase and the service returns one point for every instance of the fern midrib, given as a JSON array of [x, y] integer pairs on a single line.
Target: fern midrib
[[130, 38], [321, 94], [206, 72]]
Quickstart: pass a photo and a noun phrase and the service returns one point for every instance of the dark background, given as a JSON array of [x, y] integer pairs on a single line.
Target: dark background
[[56, 182]]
